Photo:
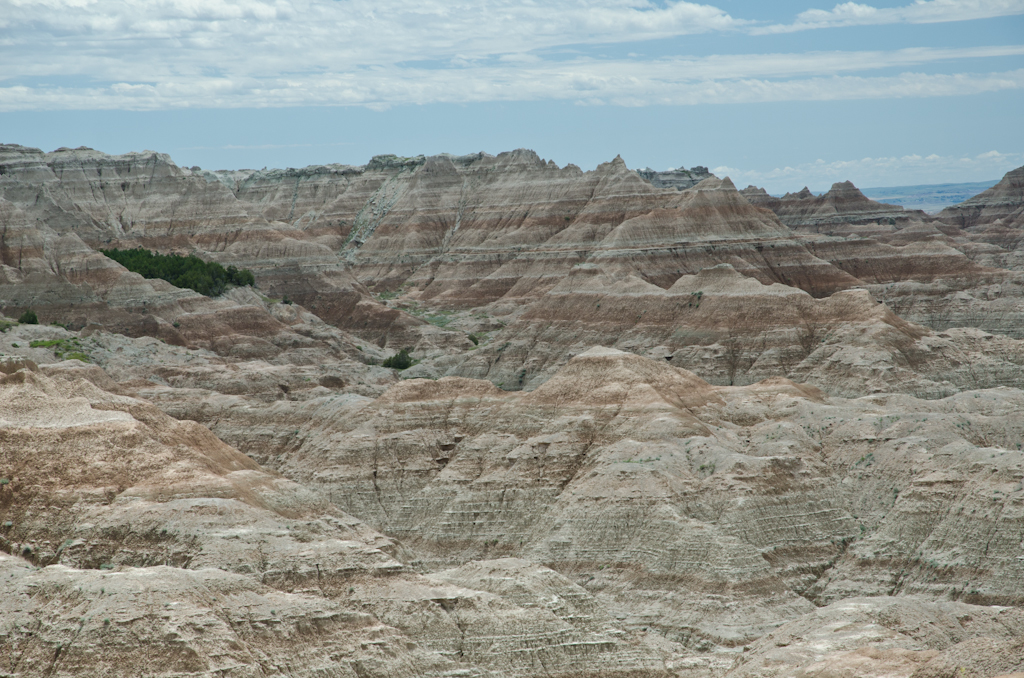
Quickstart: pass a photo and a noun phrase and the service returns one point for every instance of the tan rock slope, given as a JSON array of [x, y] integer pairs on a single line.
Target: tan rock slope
[[707, 514], [164, 550]]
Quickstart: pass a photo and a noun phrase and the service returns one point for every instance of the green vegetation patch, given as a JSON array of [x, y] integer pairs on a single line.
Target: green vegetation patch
[[439, 318], [400, 361], [29, 317], [65, 349], [205, 277]]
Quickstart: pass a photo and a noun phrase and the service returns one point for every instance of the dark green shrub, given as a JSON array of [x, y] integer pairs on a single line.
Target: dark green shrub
[[400, 361], [206, 277], [29, 318], [241, 278], [475, 339]]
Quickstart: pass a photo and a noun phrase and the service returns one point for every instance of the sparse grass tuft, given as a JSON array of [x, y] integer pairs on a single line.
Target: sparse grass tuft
[[65, 349]]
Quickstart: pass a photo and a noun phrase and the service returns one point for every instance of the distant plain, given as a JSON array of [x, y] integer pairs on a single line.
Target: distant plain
[[931, 198]]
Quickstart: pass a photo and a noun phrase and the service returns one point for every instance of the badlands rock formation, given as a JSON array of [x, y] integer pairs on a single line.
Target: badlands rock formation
[[58, 208], [656, 426], [679, 179], [136, 542], [448, 233], [998, 206], [731, 329], [935, 271], [842, 204]]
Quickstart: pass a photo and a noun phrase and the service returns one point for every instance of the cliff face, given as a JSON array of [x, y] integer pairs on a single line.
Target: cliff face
[[995, 218], [651, 429], [731, 329], [507, 240], [487, 251], [463, 232]]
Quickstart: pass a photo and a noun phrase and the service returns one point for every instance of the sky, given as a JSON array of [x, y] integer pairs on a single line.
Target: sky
[[778, 94]]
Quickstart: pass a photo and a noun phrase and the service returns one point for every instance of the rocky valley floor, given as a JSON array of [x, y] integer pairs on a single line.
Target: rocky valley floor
[[655, 425]]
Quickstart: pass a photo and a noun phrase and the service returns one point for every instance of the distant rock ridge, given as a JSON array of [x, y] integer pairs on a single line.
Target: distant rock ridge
[[58, 208], [679, 179], [461, 232], [1001, 206], [842, 204]]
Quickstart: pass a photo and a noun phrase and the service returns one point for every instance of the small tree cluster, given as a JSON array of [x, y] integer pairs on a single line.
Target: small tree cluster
[[29, 317], [399, 361], [207, 278]]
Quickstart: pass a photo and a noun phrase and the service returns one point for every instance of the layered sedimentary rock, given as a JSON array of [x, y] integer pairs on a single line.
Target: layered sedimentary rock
[[842, 204], [685, 430], [886, 636], [97, 479], [628, 493], [166, 621], [457, 240], [710, 514], [449, 232], [448, 226], [679, 179], [56, 208], [67, 282], [165, 550], [731, 329], [1000, 206], [931, 270]]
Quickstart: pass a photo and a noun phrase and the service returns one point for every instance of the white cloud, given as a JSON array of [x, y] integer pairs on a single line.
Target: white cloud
[[920, 12], [253, 35], [672, 81], [907, 170], [159, 54]]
